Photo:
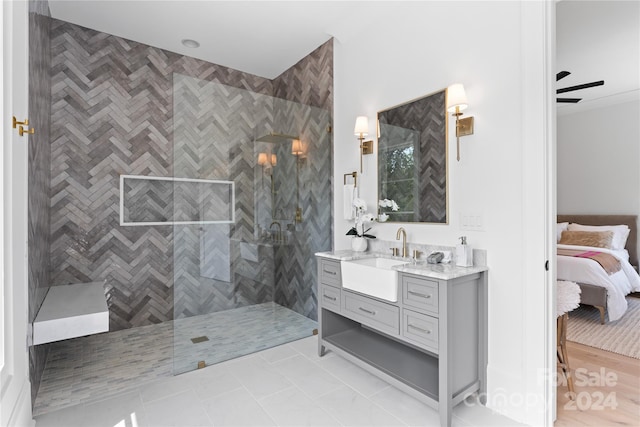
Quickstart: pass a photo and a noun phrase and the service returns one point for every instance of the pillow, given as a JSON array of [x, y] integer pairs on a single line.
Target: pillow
[[594, 239], [620, 233], [560, 227]]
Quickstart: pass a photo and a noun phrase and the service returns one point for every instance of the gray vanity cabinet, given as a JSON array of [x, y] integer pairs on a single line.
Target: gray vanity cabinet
[[329, 288], [432, 343]]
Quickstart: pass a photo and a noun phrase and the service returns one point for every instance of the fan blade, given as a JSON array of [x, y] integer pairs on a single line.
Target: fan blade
[[568, 100], [582, 86], [562, 75]]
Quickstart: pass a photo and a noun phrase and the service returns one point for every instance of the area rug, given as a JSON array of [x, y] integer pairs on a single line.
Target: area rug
[[621, 336]]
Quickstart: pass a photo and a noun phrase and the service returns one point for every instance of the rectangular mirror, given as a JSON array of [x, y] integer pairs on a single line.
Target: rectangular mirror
[[412, 160]]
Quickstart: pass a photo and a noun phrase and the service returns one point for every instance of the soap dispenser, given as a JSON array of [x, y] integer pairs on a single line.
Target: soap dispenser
[[464, 253]]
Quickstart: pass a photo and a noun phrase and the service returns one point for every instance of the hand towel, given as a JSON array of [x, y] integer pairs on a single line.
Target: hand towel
[[349, 194]]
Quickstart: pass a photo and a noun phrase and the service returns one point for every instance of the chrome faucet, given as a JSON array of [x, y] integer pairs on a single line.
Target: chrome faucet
[[404, 241]]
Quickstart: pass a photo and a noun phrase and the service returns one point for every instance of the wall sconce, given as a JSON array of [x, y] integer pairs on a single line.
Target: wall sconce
[[274, 160], [297, 150], [361, 130], [456, 103], [263, 160], [296, 147]]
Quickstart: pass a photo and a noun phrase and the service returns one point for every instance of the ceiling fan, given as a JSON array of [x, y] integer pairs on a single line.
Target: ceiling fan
[[561, 75]]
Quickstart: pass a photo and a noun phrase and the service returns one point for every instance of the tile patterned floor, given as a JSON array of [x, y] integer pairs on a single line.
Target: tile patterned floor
[[88, 369], [288, 385], [237, 332]]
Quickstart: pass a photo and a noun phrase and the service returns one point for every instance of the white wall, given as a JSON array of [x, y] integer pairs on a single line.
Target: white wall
[[598, 159], [415, 50]]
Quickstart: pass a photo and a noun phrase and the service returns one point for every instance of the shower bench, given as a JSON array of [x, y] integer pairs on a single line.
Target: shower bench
[[70, 311]]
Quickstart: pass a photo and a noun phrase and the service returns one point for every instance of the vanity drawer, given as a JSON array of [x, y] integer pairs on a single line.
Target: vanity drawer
[[330, 298], [376, 314], [420, 293], [330, 272], [420, 329]]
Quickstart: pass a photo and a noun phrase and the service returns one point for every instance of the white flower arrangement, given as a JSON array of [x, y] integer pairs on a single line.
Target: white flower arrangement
[[386, 203], [362, 218]]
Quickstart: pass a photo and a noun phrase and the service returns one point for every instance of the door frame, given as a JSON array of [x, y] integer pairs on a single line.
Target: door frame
[[15, 388]]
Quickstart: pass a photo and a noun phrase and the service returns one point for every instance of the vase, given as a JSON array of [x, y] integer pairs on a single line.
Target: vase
[[358, 244]]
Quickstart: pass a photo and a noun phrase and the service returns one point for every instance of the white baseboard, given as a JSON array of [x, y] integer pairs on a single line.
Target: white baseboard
[[22, 415], [504, 389]]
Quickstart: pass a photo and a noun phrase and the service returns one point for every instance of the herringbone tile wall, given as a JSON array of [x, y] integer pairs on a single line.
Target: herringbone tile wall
[[39, 165], [303, 182], [121, 107], [212, 121], [213, 128], [112, 114], [310, 81], [428, 115]]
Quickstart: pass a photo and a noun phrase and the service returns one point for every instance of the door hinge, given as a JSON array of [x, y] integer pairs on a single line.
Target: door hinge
[[546, 265]]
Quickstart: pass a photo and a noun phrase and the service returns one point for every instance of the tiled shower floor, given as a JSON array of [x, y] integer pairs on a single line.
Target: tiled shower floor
[[91, 368]]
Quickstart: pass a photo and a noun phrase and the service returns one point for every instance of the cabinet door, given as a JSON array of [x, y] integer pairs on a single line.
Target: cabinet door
[[420, 329], [330, 272], [381, 316], [330, 298], [419, 293]]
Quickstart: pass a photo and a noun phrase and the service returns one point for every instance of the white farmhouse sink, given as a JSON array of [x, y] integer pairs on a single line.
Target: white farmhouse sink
[[372, 276]]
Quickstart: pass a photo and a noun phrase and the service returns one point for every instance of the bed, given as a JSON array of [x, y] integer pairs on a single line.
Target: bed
[[603, 291]]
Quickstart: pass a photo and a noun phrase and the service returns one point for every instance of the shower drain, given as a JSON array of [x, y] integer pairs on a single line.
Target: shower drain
[[197, 340]]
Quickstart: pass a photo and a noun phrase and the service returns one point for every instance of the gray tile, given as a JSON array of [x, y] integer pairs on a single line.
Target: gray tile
[[352, 375], [351, 408], [104, 365], [237, 408], [308, 376], [259, 378], [182, 409], [39, 180], [189, 118], [111, 114], [233, 393], [406, 408], [293, 408]]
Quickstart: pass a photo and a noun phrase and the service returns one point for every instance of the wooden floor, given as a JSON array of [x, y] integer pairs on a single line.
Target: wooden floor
[[607, 389]]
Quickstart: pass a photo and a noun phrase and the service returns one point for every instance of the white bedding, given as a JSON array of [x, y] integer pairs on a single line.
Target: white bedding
[[584, 270]]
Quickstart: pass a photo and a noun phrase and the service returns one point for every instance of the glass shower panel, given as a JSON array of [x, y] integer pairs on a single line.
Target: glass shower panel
[[247, 284]]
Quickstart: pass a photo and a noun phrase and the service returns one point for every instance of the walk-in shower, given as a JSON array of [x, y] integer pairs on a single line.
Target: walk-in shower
[[247, 205], [171, 182]]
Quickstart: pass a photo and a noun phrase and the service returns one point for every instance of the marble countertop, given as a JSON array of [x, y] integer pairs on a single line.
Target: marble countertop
[[420, 268]]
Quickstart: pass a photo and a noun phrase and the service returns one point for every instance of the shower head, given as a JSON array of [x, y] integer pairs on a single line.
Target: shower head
[[276, 137]]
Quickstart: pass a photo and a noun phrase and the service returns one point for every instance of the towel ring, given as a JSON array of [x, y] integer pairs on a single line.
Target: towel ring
[[355, 178]]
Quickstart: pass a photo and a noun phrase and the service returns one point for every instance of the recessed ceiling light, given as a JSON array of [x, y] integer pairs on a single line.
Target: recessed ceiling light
[[190, 43]]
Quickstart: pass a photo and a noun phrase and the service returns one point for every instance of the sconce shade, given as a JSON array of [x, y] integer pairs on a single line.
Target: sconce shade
[[296, 147], [274, 160], [362, 126], [456, 97], [262, 159]]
